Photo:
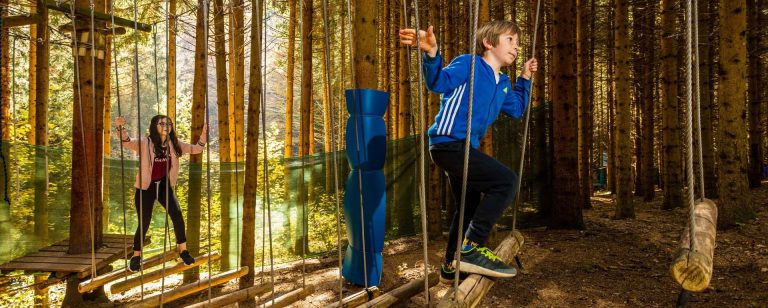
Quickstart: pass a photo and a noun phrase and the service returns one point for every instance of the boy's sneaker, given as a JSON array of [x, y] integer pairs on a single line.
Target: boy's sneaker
[[135, 264], [186, 257], [448, 273], [481, 260]]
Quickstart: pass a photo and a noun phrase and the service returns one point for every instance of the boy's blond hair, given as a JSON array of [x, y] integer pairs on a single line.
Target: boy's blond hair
[[491, 32]]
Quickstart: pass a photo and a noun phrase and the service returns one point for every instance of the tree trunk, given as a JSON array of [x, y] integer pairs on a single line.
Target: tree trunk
[[566, 210], [238, 49], [541, 124], [583, 90], [42, 60], [434, 212], [624, 206], [222, 98], [289, 75], [327, 129], [85, 224], [31, 118], [735, 203], [5, 77], [647, 102], [486, 144], [171, 61], [404, 91], [306, 78], [200, 84], [672, 151], [248, 242], [365, 57], [755, 170], [611, 169]]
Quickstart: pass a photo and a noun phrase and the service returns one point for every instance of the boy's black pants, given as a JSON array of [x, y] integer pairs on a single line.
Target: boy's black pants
[[490, 188], [160, 191]]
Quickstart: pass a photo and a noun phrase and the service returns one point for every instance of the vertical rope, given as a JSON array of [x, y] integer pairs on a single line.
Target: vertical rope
[[467, 145], [697, 92], [170, 152], [264, 136], [516, 204], [422, 146], [120, 134], [334, 131], [92, 210], [689, 119], [138, 114], [207, 144]]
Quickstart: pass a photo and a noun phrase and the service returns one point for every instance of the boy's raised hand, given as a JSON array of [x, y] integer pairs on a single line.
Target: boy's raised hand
[[530, 67], [427, 40]]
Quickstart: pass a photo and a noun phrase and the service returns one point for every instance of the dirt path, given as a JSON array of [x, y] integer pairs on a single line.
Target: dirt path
[[614, 263]]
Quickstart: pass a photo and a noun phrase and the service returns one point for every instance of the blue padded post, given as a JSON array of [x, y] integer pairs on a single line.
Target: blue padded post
[[366, 108]]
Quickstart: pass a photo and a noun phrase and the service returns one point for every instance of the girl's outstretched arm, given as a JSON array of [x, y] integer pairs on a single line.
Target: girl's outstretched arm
[[122, 135]]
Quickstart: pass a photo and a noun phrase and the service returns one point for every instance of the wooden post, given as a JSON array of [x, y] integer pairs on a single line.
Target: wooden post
[[693, 269], [290, 297], [404, 292], [358, 298], [474, 288], [234, 297], [188, 289], [123, 286], [96, 282], [41, 294]]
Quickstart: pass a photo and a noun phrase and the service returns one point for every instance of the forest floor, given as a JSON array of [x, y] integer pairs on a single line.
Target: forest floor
[[612, 263]]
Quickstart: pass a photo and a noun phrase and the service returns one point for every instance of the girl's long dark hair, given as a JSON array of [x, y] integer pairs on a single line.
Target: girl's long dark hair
[[154, 135]]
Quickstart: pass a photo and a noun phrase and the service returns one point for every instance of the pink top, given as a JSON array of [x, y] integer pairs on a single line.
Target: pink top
[[147, 152]]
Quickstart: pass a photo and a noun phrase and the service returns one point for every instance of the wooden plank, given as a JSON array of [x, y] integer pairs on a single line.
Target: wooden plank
[[83, 12], [30, 259], [108, 239], [44, 267], [358, 298], [109, 250], [21, 20], [64, 255], [235, 297], [693, 269], [122, 286], [96, 282], [402, 293], [290, 297], [187, 289]]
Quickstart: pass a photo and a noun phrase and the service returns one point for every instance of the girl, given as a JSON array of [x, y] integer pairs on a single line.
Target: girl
[[159, 165]]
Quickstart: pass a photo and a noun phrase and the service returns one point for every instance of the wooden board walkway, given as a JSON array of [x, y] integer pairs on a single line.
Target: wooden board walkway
[[55, 259]]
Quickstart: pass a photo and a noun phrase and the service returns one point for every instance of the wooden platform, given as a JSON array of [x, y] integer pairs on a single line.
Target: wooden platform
[[55, 259]]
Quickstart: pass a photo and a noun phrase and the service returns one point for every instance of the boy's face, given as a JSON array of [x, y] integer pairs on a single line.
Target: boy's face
[[506, 50]]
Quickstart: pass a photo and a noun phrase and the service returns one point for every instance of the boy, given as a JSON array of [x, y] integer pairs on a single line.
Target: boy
[[490, 185]]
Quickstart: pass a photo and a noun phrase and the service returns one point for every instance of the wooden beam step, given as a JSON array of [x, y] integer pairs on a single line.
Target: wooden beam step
[[235, 297], [122, 286], [101, 280], [188, 289], [358, 298], [290, 297], [402, 294], [474, 288]]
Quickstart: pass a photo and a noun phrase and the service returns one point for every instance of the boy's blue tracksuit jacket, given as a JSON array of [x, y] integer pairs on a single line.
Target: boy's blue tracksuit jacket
[[489, 98]]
